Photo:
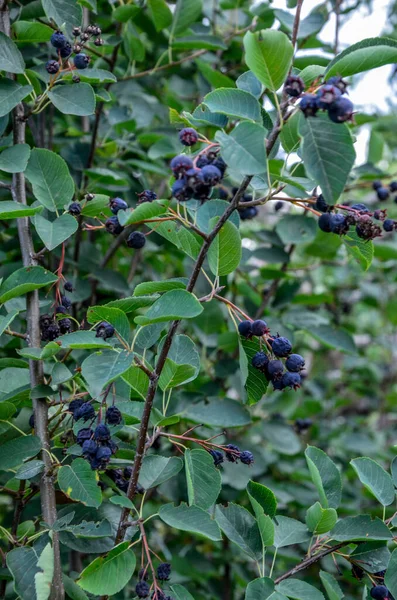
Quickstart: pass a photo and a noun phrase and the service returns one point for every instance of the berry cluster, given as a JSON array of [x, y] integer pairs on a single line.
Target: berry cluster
[[52, 326], [248, 213], [357, 215], [233, 454], [136, 239], [278, 347], [146, 196], [104, 330], [65, 49], [329, 97], [121, 477], [383, 192], [196, 180], [97, 444], [143, 589]]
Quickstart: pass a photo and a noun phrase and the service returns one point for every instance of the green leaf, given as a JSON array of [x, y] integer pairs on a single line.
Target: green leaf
[[320, 520], [77, 99], [210, 42], [176, 304], [203, 478], [101, 368], [250, 83], [28, 32], [160, 14], [122, 501], [360, 528], [182, 364], [22, 563], [157, 469], [215, 78], [7, 409], [108, 575], [375, 479], [289, 135], [6, 320], [157, 287], [54, 233], [261, 496], [81, 340], [43, 578], [186, 12], [114, 316], [131, 304], [30, 469], [23, 281], [50, 178], [241, 528], [325, 476], [268, 53], [91, 75], [296, 229], [15, 158], [180, 592], [11, 60], [361, 250], [137, 380], [16, 451], [147, 210], [328, 154], [244, 150], [307, 27], [73, 591], [125, 12], [391, 574], [255, 384], [225, 252], [190, 518], [339, 339], [65, 14], [289, 531], [372, 556], [79, 482], [331, 586], [234, 103], [14, 210], [366, 55], [262, 589], [182, 238], [299, 590], [11, 93], [219, 412]]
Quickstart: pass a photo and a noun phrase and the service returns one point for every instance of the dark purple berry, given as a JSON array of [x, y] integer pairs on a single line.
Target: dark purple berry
[[117, 204], [113, 415], [393, 186], [50, 333], [75, 405], [188, 136], [292, 380], [180, 164], [245, 329], [181, 191], [85, 412], [220, 164], [260, 361], [388, 225], [136, 240], [324, 222], [275, 368], [146, 196], [341, 110], [52, 67], [376, 184], [74, 209], [66, 50], [81, 61], [217, 456], [68, 286], [327, 95], [246, 457], [295, 363], [281, 346], [76, 31], [339, 224], [31, 421], [102, 457], [234, 453], [259, 328], [83, 435], [321, 204], [278, 384], [104, 330], [380, 592], [294, 86], [164, 571], [89, 447], [113, 226], [246, 214], [360, 207], [142, 589], [65, 326], [66, 303], [309, 105], [302, 425], [382, 193], [210, 175], [102, 433], [278, 206], [338, 82], [58, 40]]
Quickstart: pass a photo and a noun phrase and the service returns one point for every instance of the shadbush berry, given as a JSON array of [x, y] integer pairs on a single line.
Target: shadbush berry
[[136, 240], [52, 67], [164, 571], [83, 435], [324, 222], [113, 226], [338, 82], [246, 457], [68, 286], [259, 328], [116, 204], [388, 225], [217, 456], [65, 325], [146, 196], [188, 136], [326, 95], [360, 207], [58, 39], [294, 86], [113, 415], [248, 213], [31, 421], [321, 204], [245, 329], [309, 105], [181, 191], [210, 175], [81, 61], [275, 368], [74, 405], [102, 433], [379, 592], [234, 455], [90, 447], [393, 186], [278, 206], [74, 209], [104, 330], [382, 193], [101, 458], [142, 589], [302, 425], [85, 412], [180, 164], [341, 110], [376, 184], [292, 380], [281, 346], [66, 50], [295, 363], [260, 361], [339, 224]]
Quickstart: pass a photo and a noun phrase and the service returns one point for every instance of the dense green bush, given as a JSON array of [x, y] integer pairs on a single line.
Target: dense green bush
[[197, 292]]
